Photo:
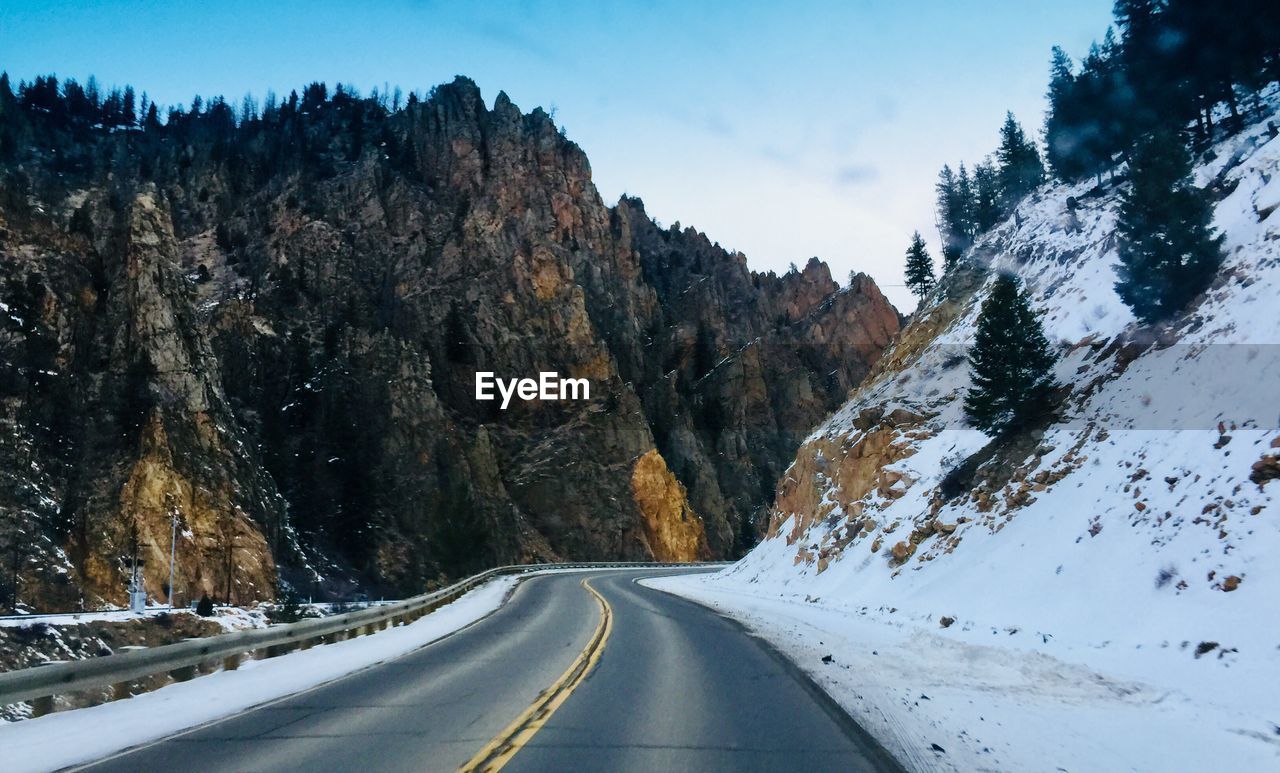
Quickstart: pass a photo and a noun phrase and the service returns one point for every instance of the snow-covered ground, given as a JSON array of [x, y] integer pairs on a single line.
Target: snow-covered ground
[[73, 737], [997, 699], [230, 618], [1112, 601]]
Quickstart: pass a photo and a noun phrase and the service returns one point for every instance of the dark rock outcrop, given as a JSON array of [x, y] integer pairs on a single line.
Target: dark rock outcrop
[[273, 329]]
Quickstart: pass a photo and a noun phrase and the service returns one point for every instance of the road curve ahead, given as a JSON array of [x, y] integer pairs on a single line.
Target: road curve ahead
[[578, 671]]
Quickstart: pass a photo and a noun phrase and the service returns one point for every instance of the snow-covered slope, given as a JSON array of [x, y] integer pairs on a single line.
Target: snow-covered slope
[[1126, 559]]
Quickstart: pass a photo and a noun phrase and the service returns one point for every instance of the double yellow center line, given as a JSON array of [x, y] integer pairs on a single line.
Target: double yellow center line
[[501, 749]]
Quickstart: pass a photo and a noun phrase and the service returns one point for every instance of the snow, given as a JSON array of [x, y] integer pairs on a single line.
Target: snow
[[993, 700], [230, 618], [1130, 537], [41, 744]]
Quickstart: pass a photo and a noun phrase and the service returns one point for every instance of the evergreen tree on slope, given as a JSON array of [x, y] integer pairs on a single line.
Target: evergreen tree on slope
[[920, 279], [1011, 363], [1062, 140], [986, 196], [955, 213], [1168, 251], [1018, 163]]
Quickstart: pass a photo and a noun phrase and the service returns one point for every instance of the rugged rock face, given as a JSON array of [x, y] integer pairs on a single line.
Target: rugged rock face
[[271, 332], [673, 531]]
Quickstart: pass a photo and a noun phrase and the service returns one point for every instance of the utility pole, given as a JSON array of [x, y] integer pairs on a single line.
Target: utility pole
[[230, 567], [173, 549], [17, 530], [137, 588], [17, 563]]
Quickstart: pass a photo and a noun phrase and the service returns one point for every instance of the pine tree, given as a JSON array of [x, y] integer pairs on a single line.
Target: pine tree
[[7, 101], [920, 279], [1168, 251], [945, 206], [1062, 142], [1018, 163], [1090, 114], [1011, 363], [955, 212], [112, 109], [152, 121], [986, 196], [964, 191], [128, 112], [10, 119], [94, 95], [1154, 93], [1107, 123]]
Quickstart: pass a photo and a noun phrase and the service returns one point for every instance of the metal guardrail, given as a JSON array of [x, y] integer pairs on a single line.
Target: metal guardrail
[[181, 660]]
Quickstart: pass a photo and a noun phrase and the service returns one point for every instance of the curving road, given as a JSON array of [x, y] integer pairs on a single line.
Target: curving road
[[614, 677]]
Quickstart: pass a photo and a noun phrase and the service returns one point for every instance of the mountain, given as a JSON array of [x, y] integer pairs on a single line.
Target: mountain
[[1094, 585], [268, 330]]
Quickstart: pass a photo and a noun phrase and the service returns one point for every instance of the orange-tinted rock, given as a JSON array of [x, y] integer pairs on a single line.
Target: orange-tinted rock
[[674, 532]]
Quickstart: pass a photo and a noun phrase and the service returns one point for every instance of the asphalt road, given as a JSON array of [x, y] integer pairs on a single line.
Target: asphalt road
[[554, 680]]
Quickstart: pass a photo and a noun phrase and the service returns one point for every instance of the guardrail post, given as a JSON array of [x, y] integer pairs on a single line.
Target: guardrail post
[[41, 706], [231, 662], [120, 691], [183, 674]]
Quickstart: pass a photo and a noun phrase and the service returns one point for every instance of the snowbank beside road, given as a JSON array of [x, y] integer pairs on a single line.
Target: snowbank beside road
[[230, 618], [970, 697], [74, 737]]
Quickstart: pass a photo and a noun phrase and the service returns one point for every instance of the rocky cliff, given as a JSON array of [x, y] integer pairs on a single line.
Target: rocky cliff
[[268, 330]]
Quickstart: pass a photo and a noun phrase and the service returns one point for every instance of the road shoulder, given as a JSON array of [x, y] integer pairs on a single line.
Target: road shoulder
[[103, 731]]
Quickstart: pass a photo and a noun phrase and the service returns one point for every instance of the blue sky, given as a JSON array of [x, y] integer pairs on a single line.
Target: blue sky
[[784, 130]]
